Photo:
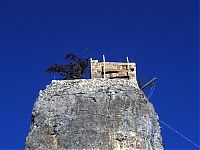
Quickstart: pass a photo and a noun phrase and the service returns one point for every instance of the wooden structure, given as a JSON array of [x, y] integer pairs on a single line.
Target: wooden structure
[[112, 70]]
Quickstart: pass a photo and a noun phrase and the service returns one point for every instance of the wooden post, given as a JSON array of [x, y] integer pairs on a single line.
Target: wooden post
[[104, 67]]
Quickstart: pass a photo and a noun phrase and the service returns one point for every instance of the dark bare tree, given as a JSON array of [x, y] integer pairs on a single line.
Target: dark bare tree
[[75, 68]]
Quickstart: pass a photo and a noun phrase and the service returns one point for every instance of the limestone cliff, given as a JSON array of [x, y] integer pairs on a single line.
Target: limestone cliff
[[93, 114]]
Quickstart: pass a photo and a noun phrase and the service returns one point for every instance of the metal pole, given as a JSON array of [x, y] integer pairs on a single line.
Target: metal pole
[[127, 62], [148, 83], [91, 68], [128, 66], [104, 67]]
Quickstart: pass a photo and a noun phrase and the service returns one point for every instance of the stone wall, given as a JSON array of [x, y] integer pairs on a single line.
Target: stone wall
[[113, 70], [93, 114]]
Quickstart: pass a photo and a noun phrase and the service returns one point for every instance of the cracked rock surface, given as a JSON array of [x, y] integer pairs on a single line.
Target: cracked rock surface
[[93, 114]]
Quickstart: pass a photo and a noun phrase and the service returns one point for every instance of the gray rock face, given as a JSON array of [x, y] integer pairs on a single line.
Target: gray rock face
[[93, 114]]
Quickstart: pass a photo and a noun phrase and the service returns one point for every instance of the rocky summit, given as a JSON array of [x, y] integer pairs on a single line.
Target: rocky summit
[[93, 114]]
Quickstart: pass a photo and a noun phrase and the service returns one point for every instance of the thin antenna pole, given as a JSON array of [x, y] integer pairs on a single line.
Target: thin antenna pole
[[127, 62], [104, 67], [148, 83], [91, 68], [128, 65]]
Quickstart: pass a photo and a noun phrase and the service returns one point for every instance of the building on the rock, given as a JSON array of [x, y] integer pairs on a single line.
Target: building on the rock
[[111, 70]]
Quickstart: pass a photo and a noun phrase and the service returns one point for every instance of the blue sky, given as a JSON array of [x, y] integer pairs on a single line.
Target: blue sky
[[161, 37]]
